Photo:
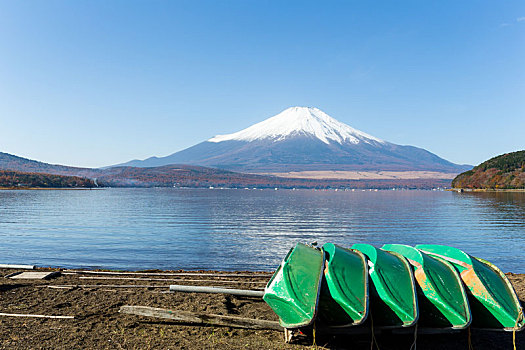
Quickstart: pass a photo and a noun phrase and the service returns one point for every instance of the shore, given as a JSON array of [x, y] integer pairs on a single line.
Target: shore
[[48, 188], [487, 189], [94, 300]]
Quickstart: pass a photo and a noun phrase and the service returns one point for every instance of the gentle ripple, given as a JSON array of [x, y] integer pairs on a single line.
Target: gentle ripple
[[246, 229]]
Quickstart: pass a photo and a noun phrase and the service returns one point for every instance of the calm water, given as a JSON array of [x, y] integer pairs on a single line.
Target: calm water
[[246, 229]]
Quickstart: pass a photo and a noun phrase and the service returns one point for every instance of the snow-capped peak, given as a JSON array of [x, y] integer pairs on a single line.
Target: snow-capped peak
[[300, 121]]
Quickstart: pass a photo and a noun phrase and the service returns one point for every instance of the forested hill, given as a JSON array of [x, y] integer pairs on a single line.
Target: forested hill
[[33, 180], [506, 171], [16, 163]]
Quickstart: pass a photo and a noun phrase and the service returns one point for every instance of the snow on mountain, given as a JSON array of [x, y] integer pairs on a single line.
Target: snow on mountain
[[303, 139], [296, 121]]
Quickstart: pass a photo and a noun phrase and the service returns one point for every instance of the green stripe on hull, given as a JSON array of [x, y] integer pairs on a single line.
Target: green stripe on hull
[[393, 297], [293, 290], [442, 299], [493, 301], [344, 297]]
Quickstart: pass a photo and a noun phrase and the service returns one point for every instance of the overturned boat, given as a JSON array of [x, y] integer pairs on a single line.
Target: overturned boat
[[394, 302], [493, 301], [441, 295], [344, 293], [293, 291], [439, 288]]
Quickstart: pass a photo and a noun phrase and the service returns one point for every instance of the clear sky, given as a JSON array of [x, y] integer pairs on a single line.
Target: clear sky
[[94, 83]]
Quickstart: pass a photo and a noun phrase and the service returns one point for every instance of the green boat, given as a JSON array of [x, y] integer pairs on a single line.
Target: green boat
[[442, 299], [344, 294], [493, 301], [393, 296], [293, 291]]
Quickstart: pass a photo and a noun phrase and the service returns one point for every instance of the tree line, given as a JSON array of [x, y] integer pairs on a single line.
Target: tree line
[[23, 180]]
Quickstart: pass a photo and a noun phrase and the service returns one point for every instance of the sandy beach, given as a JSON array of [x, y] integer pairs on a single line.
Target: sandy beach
[[95, 300]]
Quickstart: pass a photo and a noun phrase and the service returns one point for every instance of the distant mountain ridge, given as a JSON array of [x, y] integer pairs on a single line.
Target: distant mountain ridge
[[303, 139], [176, 175], [16, 163], [506, 171]]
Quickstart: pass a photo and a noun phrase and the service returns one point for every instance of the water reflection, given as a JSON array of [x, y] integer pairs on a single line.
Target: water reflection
[[246, 229]]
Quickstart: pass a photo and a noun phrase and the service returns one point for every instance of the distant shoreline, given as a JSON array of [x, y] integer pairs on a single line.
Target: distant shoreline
[[48, 188], [362, 175], [487, 189], [101, 188]]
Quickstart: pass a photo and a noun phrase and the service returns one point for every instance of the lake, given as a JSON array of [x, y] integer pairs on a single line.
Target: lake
[[238, 229]]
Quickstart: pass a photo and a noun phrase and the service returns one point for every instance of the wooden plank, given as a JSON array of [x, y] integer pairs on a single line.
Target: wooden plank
[[254, 275], [13, 274], [200, 318], [35, 275], [37, 316], [13, 266], [288, 335], [203, 289], [167, 279]]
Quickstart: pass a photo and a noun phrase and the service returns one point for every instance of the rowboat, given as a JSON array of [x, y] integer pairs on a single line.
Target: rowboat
[[441, 296], [344, 295], [492, 298], [392, 294], [293, 291]]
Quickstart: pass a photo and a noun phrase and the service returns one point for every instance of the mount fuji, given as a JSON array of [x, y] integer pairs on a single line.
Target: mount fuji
[[303, 139]]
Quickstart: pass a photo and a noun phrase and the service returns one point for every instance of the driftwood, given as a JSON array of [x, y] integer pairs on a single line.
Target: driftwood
[[207, 274], [202, 289], [59, 287], [199, 318], [166, 279], [11, 266], [101, 286], [38, 316]]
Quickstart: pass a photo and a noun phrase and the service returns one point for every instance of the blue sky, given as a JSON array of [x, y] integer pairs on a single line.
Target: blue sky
[[94, 83]]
